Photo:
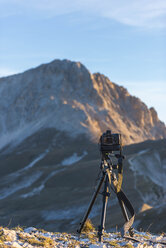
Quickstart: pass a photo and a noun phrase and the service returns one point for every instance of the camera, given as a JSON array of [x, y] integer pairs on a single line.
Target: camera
[[110, 142]]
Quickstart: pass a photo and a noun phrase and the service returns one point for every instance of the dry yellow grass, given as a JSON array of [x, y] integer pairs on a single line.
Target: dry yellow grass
[[88, 227]]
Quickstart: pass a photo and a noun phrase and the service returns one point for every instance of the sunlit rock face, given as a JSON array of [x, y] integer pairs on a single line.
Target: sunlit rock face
[[66, 96]]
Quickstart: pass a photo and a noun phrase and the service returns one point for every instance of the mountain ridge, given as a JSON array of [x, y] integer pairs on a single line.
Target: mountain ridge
[[66, 96]]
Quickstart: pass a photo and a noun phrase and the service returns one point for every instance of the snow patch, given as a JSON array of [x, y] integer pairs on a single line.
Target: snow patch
[[35, 191], [73, 159], [143, 151], [25, 182], [40, 157], [150, 165], [38, 189], [30, 229], [12, 176]]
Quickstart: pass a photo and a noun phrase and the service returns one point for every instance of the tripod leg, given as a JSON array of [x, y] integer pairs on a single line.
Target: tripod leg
[[106, 194], [91, 204], [123, 210], [124, 202]]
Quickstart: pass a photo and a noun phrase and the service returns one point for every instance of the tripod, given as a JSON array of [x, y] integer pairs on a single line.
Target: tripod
[[109, 179]]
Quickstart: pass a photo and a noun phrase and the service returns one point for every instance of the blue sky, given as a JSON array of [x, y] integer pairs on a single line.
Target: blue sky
[[125, 40]]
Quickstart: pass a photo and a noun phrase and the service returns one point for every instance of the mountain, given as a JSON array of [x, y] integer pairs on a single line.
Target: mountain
[[65, 96], [51, 119]]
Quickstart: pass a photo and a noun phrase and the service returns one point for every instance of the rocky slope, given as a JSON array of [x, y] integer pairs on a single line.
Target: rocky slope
[[31, 237], [64, 95]]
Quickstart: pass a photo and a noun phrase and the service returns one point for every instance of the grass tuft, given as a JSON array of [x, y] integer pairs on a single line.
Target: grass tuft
[[4, 237], [47, 242], [31, 240], [88, 227], [18, 228], [114, 244], [128, 246]]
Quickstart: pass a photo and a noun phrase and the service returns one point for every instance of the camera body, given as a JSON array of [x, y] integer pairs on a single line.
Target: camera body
[[110, 142]]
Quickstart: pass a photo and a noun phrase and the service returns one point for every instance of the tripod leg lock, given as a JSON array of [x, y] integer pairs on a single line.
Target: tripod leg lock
[[106, 194]]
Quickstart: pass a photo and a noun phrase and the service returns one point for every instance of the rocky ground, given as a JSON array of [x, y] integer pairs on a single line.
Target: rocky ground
[[32, 237]]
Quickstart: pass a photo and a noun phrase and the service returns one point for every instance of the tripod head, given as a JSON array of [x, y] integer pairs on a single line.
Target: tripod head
[[111, 150], [110, 142]]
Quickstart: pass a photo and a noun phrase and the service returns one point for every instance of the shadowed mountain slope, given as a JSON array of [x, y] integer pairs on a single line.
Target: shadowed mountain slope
[[48, 181]]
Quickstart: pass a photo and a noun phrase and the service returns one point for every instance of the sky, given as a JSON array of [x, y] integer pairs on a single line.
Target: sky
[[122, 39]]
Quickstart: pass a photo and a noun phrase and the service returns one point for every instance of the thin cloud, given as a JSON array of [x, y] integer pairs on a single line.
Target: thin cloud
[[139, 13], [142, 13]]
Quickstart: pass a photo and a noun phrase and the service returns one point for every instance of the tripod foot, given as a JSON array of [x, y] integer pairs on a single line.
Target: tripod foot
[[131, 231], [100, 233]]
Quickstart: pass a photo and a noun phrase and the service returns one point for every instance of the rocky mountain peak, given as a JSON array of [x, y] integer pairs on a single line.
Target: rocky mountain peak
[[64, 95], [74, 72]]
